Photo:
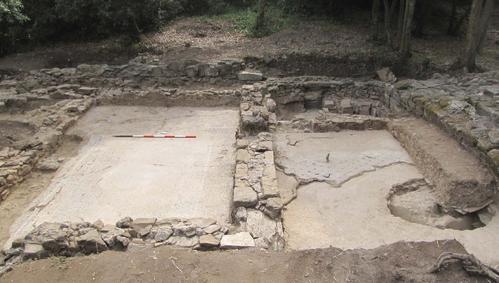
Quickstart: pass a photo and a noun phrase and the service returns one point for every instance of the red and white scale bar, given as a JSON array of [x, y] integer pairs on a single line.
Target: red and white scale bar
[[151, 136]]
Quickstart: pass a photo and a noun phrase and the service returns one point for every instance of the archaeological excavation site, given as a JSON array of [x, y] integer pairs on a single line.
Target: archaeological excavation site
[[295, 157]]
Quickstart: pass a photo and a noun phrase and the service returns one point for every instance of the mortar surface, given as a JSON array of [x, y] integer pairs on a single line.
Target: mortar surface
[[111, 178], [337, 157]]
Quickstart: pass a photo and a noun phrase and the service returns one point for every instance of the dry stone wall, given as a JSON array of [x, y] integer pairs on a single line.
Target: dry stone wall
[[49, 123], [466, 108]]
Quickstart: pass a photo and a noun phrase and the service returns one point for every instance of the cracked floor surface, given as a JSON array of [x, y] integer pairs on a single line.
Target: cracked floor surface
[[355, 214], [101, 181], [336, 158]]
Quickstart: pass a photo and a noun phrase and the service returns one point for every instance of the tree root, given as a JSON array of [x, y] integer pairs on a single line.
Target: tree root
[[471, 264]]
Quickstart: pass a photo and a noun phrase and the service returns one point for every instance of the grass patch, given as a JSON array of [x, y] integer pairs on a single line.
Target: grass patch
[[244, 19]]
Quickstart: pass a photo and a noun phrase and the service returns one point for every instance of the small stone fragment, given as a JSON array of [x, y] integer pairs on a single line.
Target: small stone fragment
[[240, 215], [212, 229], [202, 222], [98, 224], [140, 223], [163, 234], [271, 105], [273, 207], [145, 231], [124, 223], [386, 75], [48, 165], [209, 241]]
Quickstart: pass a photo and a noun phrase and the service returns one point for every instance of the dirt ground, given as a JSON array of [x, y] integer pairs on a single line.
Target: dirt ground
[[210, 39], [401, 262]]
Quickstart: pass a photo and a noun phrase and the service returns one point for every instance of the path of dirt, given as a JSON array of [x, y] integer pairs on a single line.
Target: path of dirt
[[401, 262]]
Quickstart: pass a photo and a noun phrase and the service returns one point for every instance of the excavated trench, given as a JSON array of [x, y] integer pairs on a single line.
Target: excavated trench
[[315, 168], [352, 184]]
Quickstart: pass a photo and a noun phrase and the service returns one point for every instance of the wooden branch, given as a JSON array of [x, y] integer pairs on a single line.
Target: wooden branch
[[470, 264]]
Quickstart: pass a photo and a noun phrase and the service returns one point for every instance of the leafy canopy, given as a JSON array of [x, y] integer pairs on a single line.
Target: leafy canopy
[[11, 11]]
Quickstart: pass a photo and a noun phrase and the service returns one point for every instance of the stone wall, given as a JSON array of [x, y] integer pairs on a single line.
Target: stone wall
[[136, 73], [337, 95], [257, 203], [49, 124], [466, 108], [71, 239]]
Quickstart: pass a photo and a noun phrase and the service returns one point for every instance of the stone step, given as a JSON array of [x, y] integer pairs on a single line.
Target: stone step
[[461, 182]]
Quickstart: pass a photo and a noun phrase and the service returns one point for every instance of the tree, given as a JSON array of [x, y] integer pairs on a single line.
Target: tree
[[10, 15], [389, 10], [10, 11], [375, 18], [405, 34], [260, 17], [477, 28]]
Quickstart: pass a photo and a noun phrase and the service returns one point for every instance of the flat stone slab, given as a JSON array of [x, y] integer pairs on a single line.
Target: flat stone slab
[[111, 178], [250, 76], [337, 157], [237, 241]]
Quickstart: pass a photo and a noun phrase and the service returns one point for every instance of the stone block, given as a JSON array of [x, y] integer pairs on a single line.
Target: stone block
[[346, 106], [237, 241], [34, 251], [242, 155], [245, 196], [209, 241], [91, 242], [250, 76]]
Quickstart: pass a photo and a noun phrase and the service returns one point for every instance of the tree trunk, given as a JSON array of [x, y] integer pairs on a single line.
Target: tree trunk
[[375, 18], [400, 23], [260, 18], [477, 26], [388, 21], [484, 23], [452, 19], [406, 28]]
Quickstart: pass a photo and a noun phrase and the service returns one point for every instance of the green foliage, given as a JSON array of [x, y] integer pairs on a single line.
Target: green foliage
[[10, 11], [11, 17], [59, 19], [53, 20], [321, 7], [244, 20]]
